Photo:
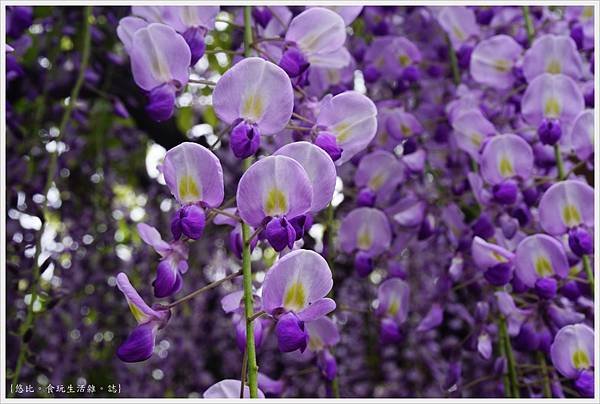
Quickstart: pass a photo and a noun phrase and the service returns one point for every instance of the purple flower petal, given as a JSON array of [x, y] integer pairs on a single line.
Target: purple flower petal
[[506, 156], [573, 350], [229, 388], [553, 54], [139, 345], [365, 229], [565, 205], [540, 256]]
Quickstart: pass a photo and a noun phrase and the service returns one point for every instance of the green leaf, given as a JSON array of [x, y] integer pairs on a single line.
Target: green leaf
[[185, 119]]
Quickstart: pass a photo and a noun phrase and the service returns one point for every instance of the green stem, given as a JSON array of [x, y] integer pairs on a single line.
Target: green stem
[[502, 349], [510, 359], [589, 272], [453, 62], [546, 379], [559, 162], [29, 319], [246, 263], [528, 25]]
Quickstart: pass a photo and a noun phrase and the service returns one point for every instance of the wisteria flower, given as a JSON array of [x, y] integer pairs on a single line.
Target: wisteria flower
[[322, 335], [261, 106], [573, 350], [140, 343], [553, 54], [493, 60], [229, 388]]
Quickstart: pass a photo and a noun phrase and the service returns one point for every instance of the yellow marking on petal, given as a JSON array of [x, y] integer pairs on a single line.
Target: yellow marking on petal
[[253, 107], [295, 297], [315, 343], [137, 313], [554, 67], [394, 307], [364, 240], [377, 181], [506, 168], [571, 215], [188, 189], [588, 12], [543, 266], [498, 257], [476, 139], [580, 359], [404, 60], [333, 76], [458, 33], [276, 203], [342, 130], [406, 131], [552, 108], [502, 65]]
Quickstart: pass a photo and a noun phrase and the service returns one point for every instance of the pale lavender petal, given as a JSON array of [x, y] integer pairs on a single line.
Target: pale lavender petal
[[471, 130], [573, 350], [336, 59], [393, 296], [582, 134], [348, 13], [553, 54], [149, 13], [141, 311], [152, 237], [273, 186], [267, 100], [225, 219], [194, 174], [183, 17], [487, 255], [317, 30], [552, 96], [159, 55], [459, 23], [231, 302], [322, 333], [565, 205], [229, 388], [433, 318], [317, 309], [539, 256], [318, 166], [295, 281], [504, 157], [127, 27], [352, 118], [381, 172], [365, 229], [493, 59]]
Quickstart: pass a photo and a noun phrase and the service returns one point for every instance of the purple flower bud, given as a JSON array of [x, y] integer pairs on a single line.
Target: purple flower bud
[[506, 192], [271, 387], [194, 37], [139, 345], [549, 131], [585, 383], [411, 74], [19, 18], [371, 74], [280, 233], [409, 146], [290, 333], [327, 364], [483, 227], [518, 285], [363, 263], [396, 270], [577, 35], [522, 214], [484, 15], [366, 197], [301, 225], [580, 241], [500, 366], [588, 97], [499, 274], [528, 339], [546, 339], [119, 109], [570, 290], [546, 288], [482, 310], [168, 279], [293, 62], [328, 142], [389, 332], [464, 56], [189, 221], [261, 15], [161, 102], [244, 140], [531, 196], [427, 228]]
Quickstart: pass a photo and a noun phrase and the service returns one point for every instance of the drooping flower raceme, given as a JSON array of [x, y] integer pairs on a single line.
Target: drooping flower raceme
[[294, 292], [274, 191], [140, 343], [253, 107]]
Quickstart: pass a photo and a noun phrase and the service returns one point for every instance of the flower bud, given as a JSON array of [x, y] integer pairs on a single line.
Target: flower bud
[[499, 274], [546, 288], [363, 263], [464, 56], [528, 339], [301, 225], [371, 74], [577, 35], [585, 383], [280, 233], [293, 62], [189, 221], [261, 15], [161, 102], [290, 333], [244, 140], [411, 74], [389, 332], [580, 241], [483, 227], [327, 364], [549, 131], [366, 197], [328, 142], [194, 37], [506, 192]]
